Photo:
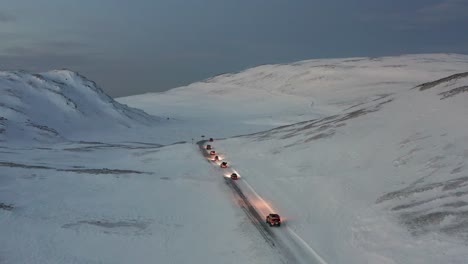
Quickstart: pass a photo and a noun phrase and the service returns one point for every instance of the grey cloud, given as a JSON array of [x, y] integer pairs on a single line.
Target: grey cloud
[[445, 11], [45, 48], [5, 17], [48, 55], [64, 44], [447, 7], [423, 17], [41, 61], [16, 50]]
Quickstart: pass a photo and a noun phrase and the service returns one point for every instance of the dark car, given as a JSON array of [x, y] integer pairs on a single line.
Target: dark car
[[211, 139], [234, 176], [212, 153], [223, 164], [208, 147], [273, 219]]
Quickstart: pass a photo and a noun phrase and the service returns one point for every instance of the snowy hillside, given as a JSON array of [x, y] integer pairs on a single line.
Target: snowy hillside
[[402, 155], [60, 104], [329, 81], [273, 95], [364, 159], [373, 168]]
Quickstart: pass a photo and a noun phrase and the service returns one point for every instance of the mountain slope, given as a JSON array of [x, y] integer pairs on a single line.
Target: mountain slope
[[352, 183], [329, 81], [60, 104], [365, 157]]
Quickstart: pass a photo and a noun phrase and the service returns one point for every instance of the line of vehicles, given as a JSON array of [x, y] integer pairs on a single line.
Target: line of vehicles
[[271, 219]]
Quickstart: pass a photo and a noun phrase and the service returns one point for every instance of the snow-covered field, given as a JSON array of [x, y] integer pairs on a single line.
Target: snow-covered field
[[365, 158], [91, 203]]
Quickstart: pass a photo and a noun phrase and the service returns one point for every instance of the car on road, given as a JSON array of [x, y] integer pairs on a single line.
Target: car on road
[[211, 140], [234, 176], [223, 164], [273, 220], [208, 147], [212, 153]]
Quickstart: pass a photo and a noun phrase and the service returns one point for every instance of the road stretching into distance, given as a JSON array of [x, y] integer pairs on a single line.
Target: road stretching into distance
[[289, 245]]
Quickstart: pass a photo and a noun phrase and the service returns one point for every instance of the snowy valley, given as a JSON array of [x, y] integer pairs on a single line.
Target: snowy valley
[[365, 158]]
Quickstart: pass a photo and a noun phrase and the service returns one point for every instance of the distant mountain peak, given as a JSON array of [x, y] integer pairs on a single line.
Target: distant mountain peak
[[59, 104]]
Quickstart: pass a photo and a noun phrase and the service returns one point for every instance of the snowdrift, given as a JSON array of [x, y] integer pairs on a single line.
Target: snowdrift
[[60, 104]]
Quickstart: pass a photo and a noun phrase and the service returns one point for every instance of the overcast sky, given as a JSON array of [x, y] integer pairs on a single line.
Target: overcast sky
[[132, 47]]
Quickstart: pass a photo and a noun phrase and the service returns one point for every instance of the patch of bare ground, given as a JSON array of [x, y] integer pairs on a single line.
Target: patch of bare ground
[[45, 129], [73, 169], [97, 146], [320, 136], [2, 124], [92, 145], [7, 207], [317, 129], [445, 210], [420, 223], [103, 171], [24, 166], [454, 92], [110, 224], [429, 85], [405, 192], [136, 227]]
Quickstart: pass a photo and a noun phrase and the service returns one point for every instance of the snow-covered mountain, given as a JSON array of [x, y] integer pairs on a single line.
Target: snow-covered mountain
[[327, 81], [372, 165], [60, 104], [364, 158], [399, 159]]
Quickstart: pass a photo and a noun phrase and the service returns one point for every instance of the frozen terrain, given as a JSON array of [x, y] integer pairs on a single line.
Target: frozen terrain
[[372, 185], [60, 105], [365, 158], [133, 203]]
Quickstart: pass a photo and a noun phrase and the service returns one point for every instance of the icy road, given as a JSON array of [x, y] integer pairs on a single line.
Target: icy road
[[290, 245]]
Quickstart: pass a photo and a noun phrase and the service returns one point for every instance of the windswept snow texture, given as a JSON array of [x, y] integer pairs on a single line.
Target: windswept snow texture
[[60, 208], [365, 157], [61, 104]]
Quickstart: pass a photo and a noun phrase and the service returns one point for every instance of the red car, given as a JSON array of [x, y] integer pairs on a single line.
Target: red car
[[223, 164], [212, 153], [208, 147], [234, 176], [273, 219], [211, 139]]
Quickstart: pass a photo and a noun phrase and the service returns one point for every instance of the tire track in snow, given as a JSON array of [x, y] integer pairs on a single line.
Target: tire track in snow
[[245, 204], [294, 238], [252, 214], [288, 242]]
